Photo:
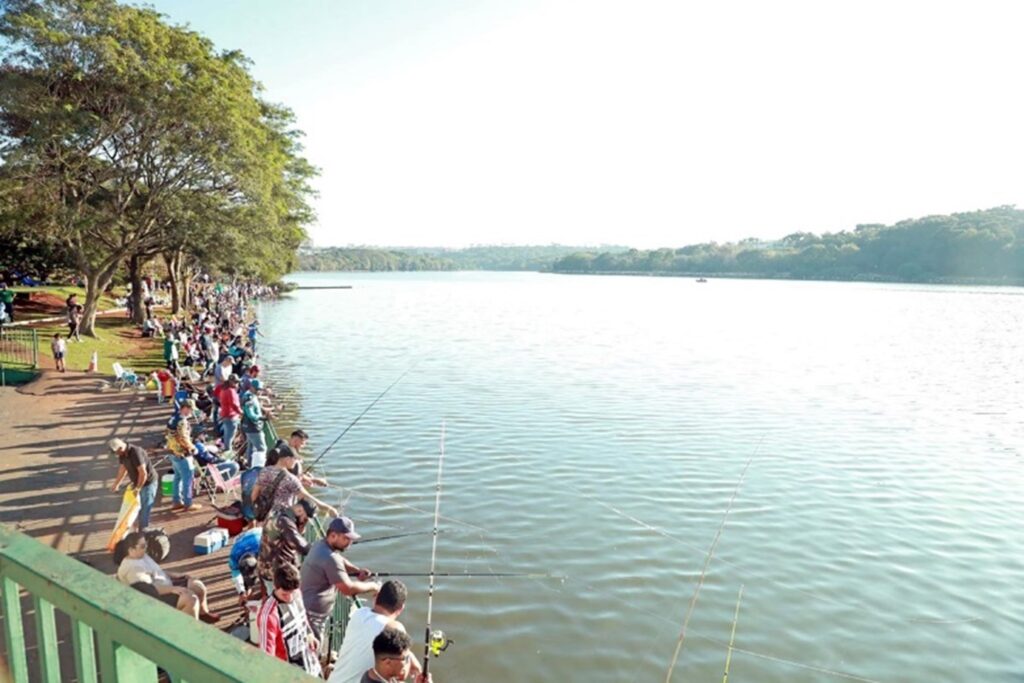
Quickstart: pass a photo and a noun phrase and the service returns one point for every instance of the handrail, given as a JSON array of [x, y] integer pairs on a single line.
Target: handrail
[[133, 634]]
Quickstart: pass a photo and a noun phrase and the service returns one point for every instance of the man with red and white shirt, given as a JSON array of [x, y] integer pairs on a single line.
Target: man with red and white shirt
[[283, 626]]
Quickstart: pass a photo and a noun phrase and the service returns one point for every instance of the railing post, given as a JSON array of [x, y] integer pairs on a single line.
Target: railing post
[[46, 640], [35, 349], [85, 652], [119, 664], [14, 631]]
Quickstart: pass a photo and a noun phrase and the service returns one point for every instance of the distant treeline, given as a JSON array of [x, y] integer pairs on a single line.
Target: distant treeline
[[424, 258], [345, 258], [981, 246]]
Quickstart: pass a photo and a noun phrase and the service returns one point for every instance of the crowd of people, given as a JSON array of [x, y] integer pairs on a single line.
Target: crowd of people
[[219, 407]]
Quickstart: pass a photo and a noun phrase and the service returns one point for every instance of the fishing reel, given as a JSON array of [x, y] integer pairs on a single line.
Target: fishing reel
[[439, 642]]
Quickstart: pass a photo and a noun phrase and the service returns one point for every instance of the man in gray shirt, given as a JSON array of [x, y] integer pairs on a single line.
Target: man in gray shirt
[[325, 572]]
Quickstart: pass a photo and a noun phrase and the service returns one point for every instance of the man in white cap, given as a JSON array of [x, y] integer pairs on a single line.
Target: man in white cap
[[136, 467], [325, 572]]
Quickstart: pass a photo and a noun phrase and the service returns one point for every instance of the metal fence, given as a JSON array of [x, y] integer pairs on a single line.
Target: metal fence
[[118, 635], [19, 348]]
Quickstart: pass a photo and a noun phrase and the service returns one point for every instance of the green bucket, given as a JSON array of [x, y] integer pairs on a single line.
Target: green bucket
[[167, 484]]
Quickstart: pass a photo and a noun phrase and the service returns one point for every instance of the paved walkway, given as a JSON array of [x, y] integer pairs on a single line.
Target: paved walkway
[[56, 475]]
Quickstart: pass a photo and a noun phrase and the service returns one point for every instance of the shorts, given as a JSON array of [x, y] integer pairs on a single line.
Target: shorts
[[58, 356]]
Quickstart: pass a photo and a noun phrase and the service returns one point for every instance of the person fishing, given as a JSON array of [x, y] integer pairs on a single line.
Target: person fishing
[[325, 573], [392, 659], [356, 654]]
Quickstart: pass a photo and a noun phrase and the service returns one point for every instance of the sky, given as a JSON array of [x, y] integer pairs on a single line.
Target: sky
[[643, 123]]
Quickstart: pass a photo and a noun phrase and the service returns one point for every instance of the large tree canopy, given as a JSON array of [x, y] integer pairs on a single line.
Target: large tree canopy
[[130, 137]]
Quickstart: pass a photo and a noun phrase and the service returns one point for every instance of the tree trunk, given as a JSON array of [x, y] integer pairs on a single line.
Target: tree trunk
[[173, 261], [135, 276], [186, 288], [96, 282]]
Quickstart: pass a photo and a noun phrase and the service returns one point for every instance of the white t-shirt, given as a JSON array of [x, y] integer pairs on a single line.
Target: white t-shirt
[[356, 654], [145, 570]]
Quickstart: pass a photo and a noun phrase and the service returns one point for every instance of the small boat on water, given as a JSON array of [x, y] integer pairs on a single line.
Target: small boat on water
[[700, 279]]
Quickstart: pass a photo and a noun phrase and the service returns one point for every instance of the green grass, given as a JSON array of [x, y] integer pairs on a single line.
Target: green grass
[[117, 340], [62, 292]]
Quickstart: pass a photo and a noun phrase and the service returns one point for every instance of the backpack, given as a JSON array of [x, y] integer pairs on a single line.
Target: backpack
[[265, 503]]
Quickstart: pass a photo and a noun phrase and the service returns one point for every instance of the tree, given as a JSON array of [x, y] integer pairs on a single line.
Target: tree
[[127, 126]]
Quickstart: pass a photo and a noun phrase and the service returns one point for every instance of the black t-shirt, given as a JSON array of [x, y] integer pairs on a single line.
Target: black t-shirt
[[133, 459]]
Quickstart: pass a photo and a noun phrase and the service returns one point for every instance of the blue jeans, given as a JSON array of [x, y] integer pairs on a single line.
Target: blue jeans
[[256, 448], [147, 496], [182, 481], [228, 429]]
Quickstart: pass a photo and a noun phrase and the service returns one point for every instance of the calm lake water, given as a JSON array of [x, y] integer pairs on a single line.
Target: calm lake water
[[597, 428]]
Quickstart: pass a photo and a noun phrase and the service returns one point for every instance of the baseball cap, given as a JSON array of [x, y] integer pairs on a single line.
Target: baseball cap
[[345, 526], [233, 379], [188, 403], [116, 445], [256, 385]]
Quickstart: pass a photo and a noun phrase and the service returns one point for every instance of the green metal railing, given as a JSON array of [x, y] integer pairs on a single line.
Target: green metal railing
[[118, 635], [19, 348], [19, 355]]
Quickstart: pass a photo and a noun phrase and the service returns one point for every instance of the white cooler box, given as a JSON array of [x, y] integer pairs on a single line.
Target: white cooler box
[[209, 541]]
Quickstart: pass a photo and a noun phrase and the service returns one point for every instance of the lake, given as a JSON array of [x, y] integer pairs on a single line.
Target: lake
[[597, 428]]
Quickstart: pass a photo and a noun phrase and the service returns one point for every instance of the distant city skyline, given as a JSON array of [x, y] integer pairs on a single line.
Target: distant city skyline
[[453, 123]]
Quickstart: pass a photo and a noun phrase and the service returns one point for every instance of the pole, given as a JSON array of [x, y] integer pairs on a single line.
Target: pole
[[707, 563], [433, 559], [732, 638], [358, 418]]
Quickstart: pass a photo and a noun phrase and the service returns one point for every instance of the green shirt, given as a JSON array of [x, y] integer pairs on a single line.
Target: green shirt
[[6, 296]]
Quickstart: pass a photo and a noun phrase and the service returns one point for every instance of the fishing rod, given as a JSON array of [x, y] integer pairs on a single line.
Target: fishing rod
[[360, 416], [707, 564], [732, 638], [393, 536], [434, 641]]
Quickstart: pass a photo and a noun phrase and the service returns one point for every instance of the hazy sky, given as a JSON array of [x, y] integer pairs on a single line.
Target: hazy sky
[[449, 122]]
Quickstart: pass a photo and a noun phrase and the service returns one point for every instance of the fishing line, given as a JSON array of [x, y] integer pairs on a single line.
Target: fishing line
[[392, 501], [391, 536], [781, 660], [360, 416], [811, 594], [707, 564]]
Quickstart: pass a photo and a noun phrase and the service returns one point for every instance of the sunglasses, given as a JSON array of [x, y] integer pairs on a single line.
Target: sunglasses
[[404, 659]]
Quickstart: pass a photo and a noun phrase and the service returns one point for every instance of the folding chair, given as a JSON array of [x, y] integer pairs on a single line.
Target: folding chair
[[219, 482], [125, 378], [203, 482]]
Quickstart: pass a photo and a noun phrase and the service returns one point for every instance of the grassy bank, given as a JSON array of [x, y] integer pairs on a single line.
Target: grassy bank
[[49, 301], [117, 339]]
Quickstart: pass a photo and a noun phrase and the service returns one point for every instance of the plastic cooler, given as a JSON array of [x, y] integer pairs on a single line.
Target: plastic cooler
[[209, 541]]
